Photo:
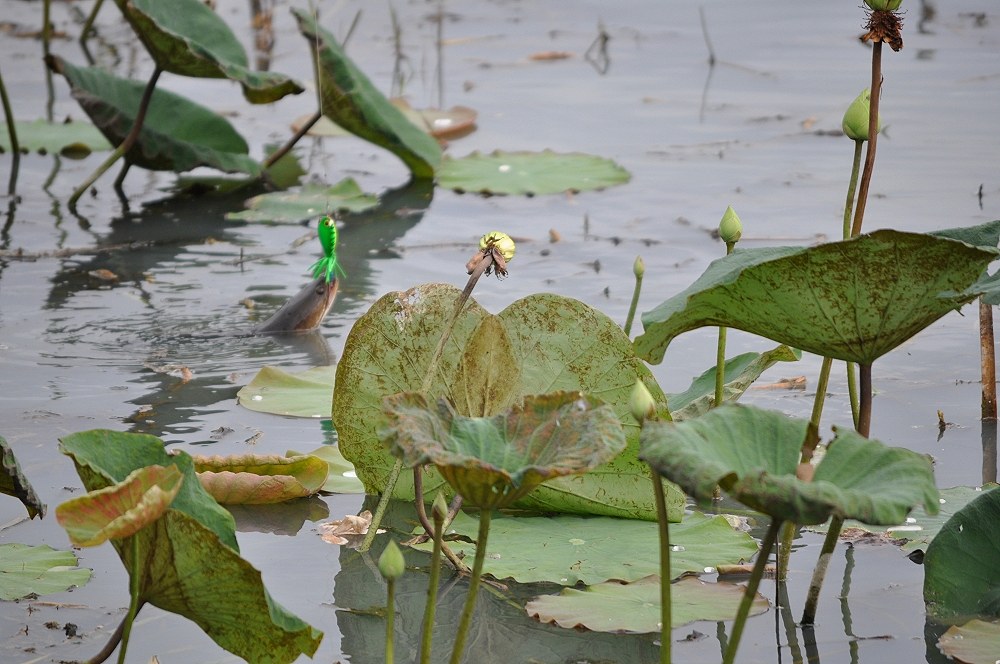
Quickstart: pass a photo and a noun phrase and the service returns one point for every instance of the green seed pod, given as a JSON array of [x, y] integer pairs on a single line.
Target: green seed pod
[[440, 508], [730, 228], [883, 5], [503, 243], [641, 402], [391, 564], [855, 122], [638, 267]]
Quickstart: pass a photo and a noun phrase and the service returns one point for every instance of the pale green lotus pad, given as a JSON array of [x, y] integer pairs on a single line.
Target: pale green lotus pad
[[853, 300], [305, 394], [72, 139], [342, 478], [529, 173], [539, 344], [186, 561], [312, 200], [177, 135], [572, 549], [975, 642], [41, 570], [961, 578], [753, 455], [635, 607], [494, 461], [14, 483], [256, 479], [186, 37], [349, 99], [122, 509]]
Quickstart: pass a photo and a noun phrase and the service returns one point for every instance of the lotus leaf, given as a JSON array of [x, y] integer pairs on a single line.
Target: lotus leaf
[[311, 201], [41, 570], [753, 455], [72, 139], [495, 461], [177, 135], [853, 300], [635, 607], [342, 477], [186, 37], [529, 173], [976, 642], [276, 391], [253, 479], [14, 483], [574, 549], [122, 509], [539, 344], [961, 579], [349, 99]]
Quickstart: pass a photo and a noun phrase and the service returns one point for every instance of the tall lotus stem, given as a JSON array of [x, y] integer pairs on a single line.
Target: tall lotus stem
[[391, 566], [440, 513], [134, 602], [470, 600], [819, 572], [665, 577], [987, 354], [751, 590], [638, 269], [730, 231], [15, 148]]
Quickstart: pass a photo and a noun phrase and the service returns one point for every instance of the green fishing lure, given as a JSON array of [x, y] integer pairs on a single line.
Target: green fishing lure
[[328, 266]]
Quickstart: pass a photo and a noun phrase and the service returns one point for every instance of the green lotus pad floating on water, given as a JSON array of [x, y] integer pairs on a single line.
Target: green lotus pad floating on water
[[529, 173], [70, 139], [341, 476], [635, 607], [41, 570], [574, 549], [306, 393], [312, 200]]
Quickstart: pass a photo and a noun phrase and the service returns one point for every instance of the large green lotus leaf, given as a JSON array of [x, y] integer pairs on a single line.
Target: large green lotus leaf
[[985, 235], [853, 300], [349, 99], [494, 461], [753, 455], [14, 483], [920, 528], [574, 549], [41, 570], [976, 642], [555, 343], [306, 393], [635, 607], [186, 37], [256, 479], [961, 577], [312, 200], [177, 135], [341, 478], [529, 173], [186, 561], [73, 139], [104, 457], [122, 509], [740, 372]]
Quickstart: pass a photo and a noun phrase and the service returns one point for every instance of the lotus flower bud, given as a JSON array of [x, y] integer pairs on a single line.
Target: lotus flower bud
[[730, 228], [884, 5], [501, 241], [391, 564], [638, 267], [440, 508], [855, 122], [641, 402]]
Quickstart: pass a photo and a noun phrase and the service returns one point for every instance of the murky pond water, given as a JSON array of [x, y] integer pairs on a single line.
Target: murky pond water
[[754, 131]]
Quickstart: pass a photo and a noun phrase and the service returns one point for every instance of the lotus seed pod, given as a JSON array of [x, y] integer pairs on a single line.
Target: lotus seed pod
[[730, 228], [638, 267], [391, 564], [855, 122], [884, 5], [641, 402], [501, 241], [440, 508]]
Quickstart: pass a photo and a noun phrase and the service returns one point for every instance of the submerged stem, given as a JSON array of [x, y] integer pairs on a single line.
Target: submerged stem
[[470, 600], [866, 175], [751, 590], [819, 572], [666, 624]]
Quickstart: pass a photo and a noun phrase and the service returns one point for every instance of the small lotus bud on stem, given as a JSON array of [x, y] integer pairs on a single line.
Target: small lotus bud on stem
[[730, 228], [391, 564], [439, 510], [641, 403], [638, 267], [855, 123]]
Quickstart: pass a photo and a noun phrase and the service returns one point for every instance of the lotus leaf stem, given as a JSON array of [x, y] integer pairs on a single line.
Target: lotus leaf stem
[[819, 572], [89, 23], [15, 147], [135, 572], [720, 353], [865, 407], [427, 632], [418, 493], [390, 619], [866, 175], [284, 149], [852, 384], [988, 361], [751, 590], [784, 552], [126, 145], [662, 518], [110, 646], [470, 600], [383, 504]]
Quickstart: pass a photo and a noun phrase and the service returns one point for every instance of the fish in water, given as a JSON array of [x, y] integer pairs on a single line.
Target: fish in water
[[304, 311]]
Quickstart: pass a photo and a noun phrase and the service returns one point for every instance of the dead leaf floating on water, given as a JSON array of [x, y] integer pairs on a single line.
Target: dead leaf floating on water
[[548, 56], [103, 274], [348, 531], [794, 383]]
